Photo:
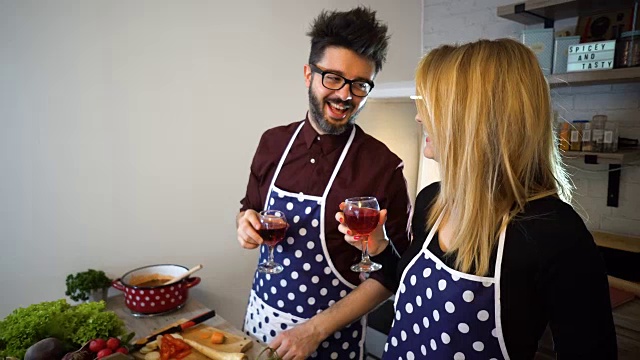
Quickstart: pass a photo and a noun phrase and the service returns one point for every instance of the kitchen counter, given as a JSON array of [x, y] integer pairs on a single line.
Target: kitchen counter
[[145, 326]]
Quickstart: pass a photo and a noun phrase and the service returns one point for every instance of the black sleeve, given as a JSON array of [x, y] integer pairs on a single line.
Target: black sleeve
[[393, 271], [389, 261], [574, 288], [399, 209]]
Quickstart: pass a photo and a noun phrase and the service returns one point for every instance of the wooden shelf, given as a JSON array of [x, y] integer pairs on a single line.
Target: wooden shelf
[[535, 11], [624, 243], [618, 242], [630, 286], [404, 89], [615, 162], [620, 157], [582, 78]]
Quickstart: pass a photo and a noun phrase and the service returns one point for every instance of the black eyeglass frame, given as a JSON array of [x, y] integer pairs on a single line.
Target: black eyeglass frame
[[317, 70]]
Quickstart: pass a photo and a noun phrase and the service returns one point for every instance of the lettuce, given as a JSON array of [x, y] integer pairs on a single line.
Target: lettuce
[[74, 325]]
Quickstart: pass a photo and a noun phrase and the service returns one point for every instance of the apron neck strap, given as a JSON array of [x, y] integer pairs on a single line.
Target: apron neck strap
[[339, 164], [284, 156]]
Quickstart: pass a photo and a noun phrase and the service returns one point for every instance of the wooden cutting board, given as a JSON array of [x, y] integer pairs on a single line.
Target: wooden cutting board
[[233, 343]]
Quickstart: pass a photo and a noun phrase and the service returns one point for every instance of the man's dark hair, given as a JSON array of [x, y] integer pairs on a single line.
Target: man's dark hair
[[357, 30]]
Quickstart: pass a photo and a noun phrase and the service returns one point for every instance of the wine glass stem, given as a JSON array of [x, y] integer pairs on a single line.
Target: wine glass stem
[[270, 254], [365, 249]]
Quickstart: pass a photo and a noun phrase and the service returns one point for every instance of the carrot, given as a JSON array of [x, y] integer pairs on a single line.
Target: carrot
[[205, 334], [217, 337]]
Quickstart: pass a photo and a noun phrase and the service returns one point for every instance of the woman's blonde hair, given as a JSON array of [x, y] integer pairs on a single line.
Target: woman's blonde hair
[[486, 108]]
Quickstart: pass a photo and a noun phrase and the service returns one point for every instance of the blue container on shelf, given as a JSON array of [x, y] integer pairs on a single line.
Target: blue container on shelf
[[561, 52], [541, 42]]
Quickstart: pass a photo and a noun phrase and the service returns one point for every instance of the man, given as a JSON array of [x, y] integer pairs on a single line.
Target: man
[[306, 169]]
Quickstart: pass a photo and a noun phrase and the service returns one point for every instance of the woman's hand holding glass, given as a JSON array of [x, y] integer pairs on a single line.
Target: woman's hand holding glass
[[377, 241]]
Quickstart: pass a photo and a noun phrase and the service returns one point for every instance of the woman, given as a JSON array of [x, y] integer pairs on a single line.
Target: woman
[[497, 253]]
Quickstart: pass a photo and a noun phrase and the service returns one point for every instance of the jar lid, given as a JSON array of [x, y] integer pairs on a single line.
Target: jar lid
[[630, 33]]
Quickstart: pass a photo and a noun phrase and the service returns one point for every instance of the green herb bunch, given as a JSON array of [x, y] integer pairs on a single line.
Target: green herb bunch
[[80, 285], [74, 325]]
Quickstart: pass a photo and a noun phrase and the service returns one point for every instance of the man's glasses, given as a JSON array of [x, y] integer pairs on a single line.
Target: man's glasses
[[332, 81]]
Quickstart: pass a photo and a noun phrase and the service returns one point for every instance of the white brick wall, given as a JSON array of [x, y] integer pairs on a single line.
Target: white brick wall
[[459, 21]]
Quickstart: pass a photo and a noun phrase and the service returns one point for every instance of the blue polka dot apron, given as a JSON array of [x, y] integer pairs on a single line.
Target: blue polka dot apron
[[441, 313], [309, 283]]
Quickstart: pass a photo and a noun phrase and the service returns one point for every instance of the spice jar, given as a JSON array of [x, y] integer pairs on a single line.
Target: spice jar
[[563, 139], [576, 135], [597, 132], [610, 143], [628, 49], [586, 136]]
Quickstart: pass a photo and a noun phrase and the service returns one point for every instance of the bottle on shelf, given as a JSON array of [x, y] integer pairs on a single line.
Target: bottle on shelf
[[610, 142], [576, 135], [597, 132], [586, 136], [563, 139]]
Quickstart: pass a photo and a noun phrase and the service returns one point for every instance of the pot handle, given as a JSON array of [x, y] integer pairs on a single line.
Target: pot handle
[[191, 282], [117, 284]]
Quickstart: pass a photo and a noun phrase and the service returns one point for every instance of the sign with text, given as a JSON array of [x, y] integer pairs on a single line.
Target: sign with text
[[590, 65], [592, 47], [594, 56], [591, 56]]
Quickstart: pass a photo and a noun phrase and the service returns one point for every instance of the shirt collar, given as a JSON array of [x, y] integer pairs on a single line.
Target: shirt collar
[[327, 142]]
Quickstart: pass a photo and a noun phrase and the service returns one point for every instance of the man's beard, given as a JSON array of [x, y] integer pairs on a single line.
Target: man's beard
[[317, 115]]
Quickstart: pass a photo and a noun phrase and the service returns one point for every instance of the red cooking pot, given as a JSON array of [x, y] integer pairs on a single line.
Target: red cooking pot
[[143, 299]]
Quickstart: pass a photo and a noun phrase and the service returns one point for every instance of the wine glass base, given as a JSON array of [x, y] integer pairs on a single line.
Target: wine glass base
[[366, 267], [270, 268]]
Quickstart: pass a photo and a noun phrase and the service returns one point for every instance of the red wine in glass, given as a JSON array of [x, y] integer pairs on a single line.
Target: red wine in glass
[[361, 215], [273, 227], [362, 221], [273, 233]]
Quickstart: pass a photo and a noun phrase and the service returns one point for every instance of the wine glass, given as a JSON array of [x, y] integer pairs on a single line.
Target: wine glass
[[273, 227], [361, 215]]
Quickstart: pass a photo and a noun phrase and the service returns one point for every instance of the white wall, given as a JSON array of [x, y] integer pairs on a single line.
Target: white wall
[[463, 21], [127, 129], [393, 122]]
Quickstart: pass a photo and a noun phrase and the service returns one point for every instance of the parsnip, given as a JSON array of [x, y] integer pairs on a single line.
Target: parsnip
[[215, 354], [154, 355]]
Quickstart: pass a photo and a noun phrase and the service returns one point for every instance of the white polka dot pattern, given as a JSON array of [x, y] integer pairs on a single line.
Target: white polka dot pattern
[[463, 328], [446, 339], [468, 296], [307, 285], [483, 315], [449, 307], [442, 314]]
